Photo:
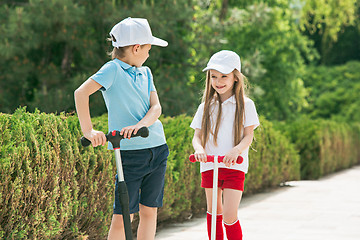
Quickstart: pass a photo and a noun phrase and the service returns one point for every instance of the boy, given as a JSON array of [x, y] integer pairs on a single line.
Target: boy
[[132, 102]]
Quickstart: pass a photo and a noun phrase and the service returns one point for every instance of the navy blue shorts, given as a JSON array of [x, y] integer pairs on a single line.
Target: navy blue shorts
[[144, 173]]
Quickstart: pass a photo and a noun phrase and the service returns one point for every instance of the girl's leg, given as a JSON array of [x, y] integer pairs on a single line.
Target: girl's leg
[[147, 224], [232, 200], [219, 217], [117, 231]]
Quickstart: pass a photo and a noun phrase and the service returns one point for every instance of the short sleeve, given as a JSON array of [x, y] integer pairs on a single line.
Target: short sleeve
[[251, 116], [151, 80], [196, 122], [106, 75]]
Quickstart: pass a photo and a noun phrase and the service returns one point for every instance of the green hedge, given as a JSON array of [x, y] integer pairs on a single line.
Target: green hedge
[[52, 188], [273, 161], [333, 92], [324, 146]]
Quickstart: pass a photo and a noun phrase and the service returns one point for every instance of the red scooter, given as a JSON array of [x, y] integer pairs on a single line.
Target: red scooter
[[216, 160]]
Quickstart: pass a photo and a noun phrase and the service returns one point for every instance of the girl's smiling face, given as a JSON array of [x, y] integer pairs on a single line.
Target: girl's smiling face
[[222, 83]]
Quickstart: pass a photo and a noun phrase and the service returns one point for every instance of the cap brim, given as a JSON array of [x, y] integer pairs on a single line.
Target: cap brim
[[159, 42], [219, 68]]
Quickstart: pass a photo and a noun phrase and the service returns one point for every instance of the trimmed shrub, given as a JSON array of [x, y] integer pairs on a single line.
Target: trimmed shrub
[[183, 195], [273, 160], [52, 188], [333, 92], [324, 146]]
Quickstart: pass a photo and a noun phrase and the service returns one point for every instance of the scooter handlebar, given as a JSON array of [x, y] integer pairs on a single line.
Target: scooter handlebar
[[115, 137], [210, 158]]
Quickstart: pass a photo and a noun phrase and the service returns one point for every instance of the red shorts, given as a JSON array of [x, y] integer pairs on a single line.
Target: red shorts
[[227, 178]]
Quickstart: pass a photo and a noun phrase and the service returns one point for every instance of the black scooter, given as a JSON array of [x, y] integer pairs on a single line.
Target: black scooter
[[114, 137]]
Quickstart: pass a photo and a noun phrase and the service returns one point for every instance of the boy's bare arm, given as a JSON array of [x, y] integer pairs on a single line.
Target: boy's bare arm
[[82, 108], [154, 112], [149, 119]]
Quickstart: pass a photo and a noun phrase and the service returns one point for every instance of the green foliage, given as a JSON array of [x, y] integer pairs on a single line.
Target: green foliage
[[327, 19], [272, 159], [334, 92], [183, 195], [52, 188], [48, 48], [48, 181], [324, 146], [274, 50]]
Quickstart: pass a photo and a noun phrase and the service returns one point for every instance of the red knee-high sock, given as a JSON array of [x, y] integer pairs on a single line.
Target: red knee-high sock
[[219, 227], [233, 231]]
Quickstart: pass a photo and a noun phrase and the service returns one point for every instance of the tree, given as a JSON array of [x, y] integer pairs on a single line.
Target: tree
[[334, 92], [325, 20], [271, 35], [48, 48], [45, 46]]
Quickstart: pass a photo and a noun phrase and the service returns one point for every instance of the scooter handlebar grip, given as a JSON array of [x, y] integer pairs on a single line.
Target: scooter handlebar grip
[[142, 132], [210, 158], [192, 158], [84, 141]]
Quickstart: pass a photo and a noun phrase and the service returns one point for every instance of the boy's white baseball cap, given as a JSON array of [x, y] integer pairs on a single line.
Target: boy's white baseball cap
[[224, 61], [131, 31]]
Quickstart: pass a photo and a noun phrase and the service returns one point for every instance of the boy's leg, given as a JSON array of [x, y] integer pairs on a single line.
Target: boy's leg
[[117, 231], [232, 200], [147, 223], [152, 192]]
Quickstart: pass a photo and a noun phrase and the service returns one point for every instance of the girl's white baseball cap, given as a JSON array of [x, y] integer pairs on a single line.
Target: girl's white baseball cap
[[224, 61], [131, 31]]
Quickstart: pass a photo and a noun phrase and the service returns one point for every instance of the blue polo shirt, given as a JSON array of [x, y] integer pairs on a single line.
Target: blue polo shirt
[[126, 91]]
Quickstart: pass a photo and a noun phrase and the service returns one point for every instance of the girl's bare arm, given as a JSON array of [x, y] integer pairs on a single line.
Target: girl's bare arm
[[231, 157], [200, 154]]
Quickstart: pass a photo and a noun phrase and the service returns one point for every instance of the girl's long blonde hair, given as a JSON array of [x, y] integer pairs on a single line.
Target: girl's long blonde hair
[[211, 97]]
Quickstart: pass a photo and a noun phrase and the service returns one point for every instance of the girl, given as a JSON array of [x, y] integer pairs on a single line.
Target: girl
[[224, 125]]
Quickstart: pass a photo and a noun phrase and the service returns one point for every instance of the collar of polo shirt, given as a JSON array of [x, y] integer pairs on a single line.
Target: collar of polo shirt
[[229, 100], [128, 67]]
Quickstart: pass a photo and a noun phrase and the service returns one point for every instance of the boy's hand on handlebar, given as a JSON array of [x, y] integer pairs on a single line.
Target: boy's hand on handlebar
[[231, 157], [96, 137], [126, 132]]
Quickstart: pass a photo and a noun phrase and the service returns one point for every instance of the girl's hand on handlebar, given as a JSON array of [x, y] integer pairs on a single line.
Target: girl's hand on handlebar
[[200, 156], [96, 137], [231, 157]]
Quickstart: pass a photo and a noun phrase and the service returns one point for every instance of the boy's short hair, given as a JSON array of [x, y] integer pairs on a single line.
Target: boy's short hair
[[118, 52]]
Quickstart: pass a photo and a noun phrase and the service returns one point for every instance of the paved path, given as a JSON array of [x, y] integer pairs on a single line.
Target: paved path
[[326, 209]]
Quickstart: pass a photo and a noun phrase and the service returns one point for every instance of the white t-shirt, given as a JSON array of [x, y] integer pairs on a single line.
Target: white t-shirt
[[225, 141]]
